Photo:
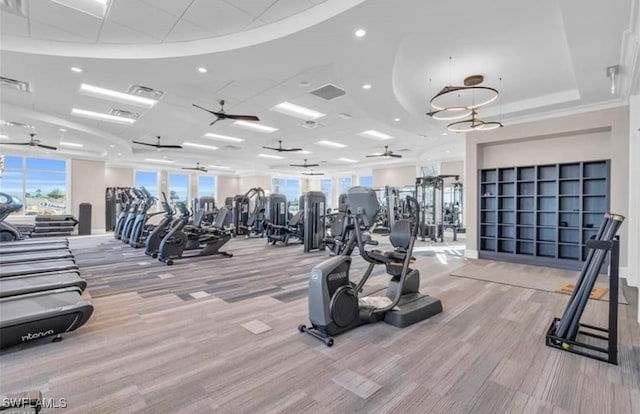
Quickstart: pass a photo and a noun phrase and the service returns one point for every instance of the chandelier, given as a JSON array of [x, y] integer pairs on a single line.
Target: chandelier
[[460, 104]]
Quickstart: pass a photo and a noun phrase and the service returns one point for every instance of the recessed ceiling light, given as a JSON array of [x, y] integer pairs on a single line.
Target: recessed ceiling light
[[219, 167], [71, 144], [297, 111], [159, 160], [344, 115], [119, 154], [62, 130], [347, 160], [223, 137], [372, 133], [76, 69], [448, 151], [397, 119], [366, 86], [102, 117], [331, 144], [202, 70], [444, 133], [275, 157], [360, 33], [102, 93], [112, 146], [194, 145], [254, 126]]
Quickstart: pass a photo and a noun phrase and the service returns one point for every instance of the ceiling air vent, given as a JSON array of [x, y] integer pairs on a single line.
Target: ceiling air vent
[[18, 7], [19, 85], [145, 92], [310, 125], [124, 114], [328, 92]]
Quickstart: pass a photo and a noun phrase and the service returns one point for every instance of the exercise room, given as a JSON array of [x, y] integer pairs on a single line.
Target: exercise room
[[319, 206]]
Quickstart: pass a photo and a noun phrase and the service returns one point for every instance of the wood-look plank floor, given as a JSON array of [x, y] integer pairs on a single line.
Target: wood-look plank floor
[[170, 339]]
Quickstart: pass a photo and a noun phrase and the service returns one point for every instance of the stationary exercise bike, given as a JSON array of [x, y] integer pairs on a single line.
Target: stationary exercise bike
[[334, 302]]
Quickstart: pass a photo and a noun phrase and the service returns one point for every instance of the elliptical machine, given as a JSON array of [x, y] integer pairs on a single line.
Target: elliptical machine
[[334, 302]]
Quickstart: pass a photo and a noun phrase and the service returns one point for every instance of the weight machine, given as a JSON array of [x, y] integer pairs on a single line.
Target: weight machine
[[435, 213]]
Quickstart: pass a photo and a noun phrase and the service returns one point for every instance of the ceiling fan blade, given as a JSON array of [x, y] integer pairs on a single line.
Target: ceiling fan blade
[[291, 149], [190, 168], [207, 110], [47, 147], [242, 117], [312, 173], [204, 170], [145, 143], [169, 146], [395, 155], [304, 165], [15, 143], [374, 155], [272, 148]]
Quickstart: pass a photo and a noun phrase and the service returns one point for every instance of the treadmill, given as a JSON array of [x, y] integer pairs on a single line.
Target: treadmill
[[31, 248], [45, 266], [6, 259], [21, 285], [24, 318]]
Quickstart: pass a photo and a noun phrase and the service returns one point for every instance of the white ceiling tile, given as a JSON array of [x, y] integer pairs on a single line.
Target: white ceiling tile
[[283, 9], [14, 25], [142, 18], [316, 2], [44, 31], [253, 7], [174, 7], [255, 24], [185, 30], [113, 32], [220, 16], [52, 14]]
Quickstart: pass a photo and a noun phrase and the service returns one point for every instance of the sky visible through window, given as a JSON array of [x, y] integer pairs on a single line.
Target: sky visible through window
[[148, 180], [179, 188], [366, 180], [206, 186]]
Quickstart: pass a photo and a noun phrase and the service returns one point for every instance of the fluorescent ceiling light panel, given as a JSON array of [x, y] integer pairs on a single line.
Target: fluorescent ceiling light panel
[[121, 97], [96, 8], [371, 133], [219, 167], [76, 69], [331, 144], [71, 144], [159, 160], [275, 157], [347, 160], [253, 126], [102, 117], [194, 145], [223, 137], [297, 111]]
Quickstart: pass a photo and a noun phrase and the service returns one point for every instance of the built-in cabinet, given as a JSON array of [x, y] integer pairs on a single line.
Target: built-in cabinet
[[542, 214]]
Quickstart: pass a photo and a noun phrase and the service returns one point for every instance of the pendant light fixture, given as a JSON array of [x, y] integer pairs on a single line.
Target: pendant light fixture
[[455, 103]]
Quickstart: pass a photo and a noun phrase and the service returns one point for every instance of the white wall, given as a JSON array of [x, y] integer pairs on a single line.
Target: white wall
[[394, 176], [452, 168], [633, 218], [253, 181], [88, 186], [228, 186], [593, 135], [118, 177]]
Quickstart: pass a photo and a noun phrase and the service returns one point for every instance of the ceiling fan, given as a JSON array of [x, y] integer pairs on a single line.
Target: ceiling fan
[[196, 168], [312, 173], [221, 114], [33, 142], [281, 149], [158, 145], [387, 153], [305, 165]]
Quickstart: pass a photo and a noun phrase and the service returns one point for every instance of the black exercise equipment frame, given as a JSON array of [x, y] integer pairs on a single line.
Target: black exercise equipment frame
[[609, 334]]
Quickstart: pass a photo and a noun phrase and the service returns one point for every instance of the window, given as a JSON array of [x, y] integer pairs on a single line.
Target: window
[[206, 186], [40, 183], [290, 187], [148, 180], [366, 180], [344, 183], [325, 187], [178, 188]]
